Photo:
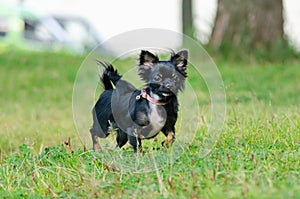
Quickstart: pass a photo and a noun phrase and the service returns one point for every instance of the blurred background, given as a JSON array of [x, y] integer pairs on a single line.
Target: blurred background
[[79, 25]]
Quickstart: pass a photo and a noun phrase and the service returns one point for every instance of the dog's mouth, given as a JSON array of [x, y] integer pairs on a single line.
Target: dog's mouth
[[166, 94], [163, 94], [162, 90]]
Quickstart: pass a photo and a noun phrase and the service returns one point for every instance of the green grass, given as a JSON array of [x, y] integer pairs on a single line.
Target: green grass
[[257, 155]]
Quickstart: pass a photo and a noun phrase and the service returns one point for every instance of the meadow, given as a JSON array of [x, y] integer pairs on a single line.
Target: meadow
[[42, 156]]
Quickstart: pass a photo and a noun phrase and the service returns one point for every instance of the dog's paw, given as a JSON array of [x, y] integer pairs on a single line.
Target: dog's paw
[[169, 140], [97, 147], [139, 150]]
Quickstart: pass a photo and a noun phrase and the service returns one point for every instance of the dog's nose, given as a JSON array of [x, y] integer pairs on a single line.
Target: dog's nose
[[168, 85]]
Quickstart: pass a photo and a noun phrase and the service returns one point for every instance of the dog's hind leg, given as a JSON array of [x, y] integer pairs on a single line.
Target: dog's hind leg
[[96, 132], [99, 129], [96, 145]]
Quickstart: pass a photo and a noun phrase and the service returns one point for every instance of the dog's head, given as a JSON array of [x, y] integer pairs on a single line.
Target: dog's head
[[165, 78]]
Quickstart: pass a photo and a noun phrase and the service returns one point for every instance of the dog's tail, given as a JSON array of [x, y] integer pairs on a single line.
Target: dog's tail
[[109, 76]]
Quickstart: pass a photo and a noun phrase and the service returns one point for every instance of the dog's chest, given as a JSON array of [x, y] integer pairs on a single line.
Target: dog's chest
[[157, 118]]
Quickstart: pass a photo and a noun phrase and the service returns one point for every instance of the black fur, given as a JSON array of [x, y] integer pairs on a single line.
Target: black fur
[[133, 117]]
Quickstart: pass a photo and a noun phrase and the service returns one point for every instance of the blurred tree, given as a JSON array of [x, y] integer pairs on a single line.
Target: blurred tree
[[187, 18], [248, 24]]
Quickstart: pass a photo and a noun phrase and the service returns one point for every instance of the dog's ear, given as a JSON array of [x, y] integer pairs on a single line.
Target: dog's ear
[[147, 59], [180, 60]]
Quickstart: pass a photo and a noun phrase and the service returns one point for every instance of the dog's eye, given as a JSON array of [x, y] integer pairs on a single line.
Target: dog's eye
[[175, 76], [157, 78]]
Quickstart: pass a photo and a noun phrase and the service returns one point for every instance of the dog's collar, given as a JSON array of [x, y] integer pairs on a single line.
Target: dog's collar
[[145, 95]]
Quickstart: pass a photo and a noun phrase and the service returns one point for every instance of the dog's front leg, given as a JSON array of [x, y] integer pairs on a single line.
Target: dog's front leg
[[170, 134], [134, 140]]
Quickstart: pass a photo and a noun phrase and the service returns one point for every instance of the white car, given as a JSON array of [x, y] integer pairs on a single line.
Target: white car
[[24, 28]]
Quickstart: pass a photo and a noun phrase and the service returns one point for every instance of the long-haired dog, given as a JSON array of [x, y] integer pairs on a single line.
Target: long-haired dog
[[139, 114]]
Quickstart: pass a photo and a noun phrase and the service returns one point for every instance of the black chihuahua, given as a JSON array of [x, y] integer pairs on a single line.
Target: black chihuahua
[[139, 114]]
